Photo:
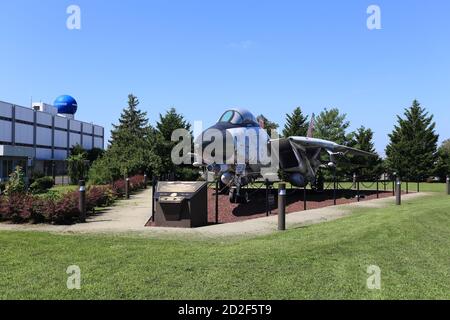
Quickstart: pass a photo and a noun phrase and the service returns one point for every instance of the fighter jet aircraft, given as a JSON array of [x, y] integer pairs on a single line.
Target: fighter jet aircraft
[[238, 150]]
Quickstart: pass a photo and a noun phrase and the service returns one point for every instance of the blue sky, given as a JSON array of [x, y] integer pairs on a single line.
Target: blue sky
[[204, 56]]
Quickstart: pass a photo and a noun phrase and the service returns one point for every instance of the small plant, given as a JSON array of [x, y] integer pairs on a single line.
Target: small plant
[[41, 185], [16, 182], [78, 167]]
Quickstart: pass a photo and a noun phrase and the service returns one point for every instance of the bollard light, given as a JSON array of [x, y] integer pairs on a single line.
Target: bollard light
[[398, 191], [145, 181], [127, 188], [82, 201], [282, 207], [448, 185]]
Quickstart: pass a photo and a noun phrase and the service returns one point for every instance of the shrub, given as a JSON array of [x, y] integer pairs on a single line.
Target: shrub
[[78, 167], [41, 185], [66, 209], [103, 171], [61, 209], [187, 174], [36, 175], [136, 183], [16, 182], [17, 208], [99, 196]]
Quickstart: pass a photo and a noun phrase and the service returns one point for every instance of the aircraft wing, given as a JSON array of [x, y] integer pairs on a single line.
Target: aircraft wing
[[305, 143]]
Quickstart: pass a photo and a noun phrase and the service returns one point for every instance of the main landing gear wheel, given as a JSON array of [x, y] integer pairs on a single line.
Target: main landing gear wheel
[[235, 198]]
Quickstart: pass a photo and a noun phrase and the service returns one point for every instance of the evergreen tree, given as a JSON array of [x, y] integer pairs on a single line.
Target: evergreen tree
[[269, 126], [132, 147], [367, 168], [166, 125], [442, 167], [332, 125], [412, 151], [296, 124], [445, 147], [133, 123]]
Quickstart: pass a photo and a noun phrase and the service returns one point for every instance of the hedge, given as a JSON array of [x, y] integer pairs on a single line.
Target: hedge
[[27, 208]]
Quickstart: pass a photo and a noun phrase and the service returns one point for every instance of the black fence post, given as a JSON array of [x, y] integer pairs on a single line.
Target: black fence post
[[418, 186], [393, 187], [154, 181], [217, 201], [82, 201], [407, 187], [357, 187], [282, 207], [267, 197], [334, 185], [378, 190]]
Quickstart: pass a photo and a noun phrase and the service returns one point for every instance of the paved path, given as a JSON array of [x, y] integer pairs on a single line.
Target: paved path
[[130, 216]]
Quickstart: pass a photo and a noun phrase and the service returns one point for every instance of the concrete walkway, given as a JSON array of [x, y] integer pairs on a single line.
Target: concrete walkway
[[130, 216]]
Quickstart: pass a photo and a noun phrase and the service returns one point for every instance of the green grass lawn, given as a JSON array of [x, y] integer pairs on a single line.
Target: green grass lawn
[[64, 188], [411, 245]]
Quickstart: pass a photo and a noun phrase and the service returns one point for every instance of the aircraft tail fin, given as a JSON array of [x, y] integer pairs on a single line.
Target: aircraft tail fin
[[312, 126]]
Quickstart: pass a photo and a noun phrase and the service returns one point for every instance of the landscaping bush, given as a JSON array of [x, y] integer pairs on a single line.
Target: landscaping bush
[[16, 182], [61, 209], [136, 183], [99, 196], [17, 208], [41, 185]]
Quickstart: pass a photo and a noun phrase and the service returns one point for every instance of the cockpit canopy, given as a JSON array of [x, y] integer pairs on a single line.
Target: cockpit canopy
[[238, 117]]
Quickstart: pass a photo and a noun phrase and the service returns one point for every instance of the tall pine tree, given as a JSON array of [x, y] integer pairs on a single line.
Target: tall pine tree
[[367, 168], [412, 151], [296, 124], [166, 125], [131, 148], [332, 125], [133, 124]]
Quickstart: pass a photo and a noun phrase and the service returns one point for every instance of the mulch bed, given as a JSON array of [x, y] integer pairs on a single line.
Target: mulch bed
[[256, 208]]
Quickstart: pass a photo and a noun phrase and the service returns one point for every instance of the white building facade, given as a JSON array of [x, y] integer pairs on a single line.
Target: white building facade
[[41, 140]]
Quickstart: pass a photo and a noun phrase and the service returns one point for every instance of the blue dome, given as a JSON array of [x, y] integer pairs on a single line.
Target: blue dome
[[66, 105]]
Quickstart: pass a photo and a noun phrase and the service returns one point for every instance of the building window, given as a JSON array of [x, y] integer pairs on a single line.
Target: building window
[[6, 168]]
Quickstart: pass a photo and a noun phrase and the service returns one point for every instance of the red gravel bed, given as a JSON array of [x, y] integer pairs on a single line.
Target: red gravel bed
[[256, 208]]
